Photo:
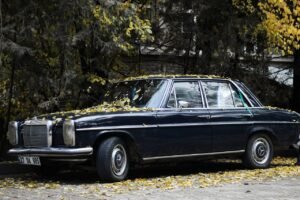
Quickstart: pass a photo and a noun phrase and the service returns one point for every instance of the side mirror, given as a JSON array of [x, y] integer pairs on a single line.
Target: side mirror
[[183, 104]]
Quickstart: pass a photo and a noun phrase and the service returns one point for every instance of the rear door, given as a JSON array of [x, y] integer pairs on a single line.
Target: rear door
[[231, 115]]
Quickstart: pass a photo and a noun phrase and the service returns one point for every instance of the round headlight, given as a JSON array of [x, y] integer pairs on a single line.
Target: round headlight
[[69, 132], [12, 133]]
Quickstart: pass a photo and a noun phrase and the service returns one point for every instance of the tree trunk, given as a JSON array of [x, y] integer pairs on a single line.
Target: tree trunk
[[296, 88], [8, 113]]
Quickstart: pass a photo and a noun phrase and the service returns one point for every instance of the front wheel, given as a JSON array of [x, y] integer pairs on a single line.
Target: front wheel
[[259, 152], [112, 160]]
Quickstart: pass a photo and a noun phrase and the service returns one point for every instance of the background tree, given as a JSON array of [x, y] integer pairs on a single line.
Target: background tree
[[281, 22], [53, 54]]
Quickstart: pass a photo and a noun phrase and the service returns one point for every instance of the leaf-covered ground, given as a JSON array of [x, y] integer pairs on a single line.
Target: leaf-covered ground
[[197, 175]]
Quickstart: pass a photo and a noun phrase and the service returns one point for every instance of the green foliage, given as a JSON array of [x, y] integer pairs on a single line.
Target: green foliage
[[62, 52], [281, 21]]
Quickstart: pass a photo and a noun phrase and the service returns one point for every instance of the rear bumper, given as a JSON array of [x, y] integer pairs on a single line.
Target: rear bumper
[[52, 152]]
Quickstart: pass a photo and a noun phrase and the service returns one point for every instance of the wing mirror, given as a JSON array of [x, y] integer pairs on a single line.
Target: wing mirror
[[183, 104]]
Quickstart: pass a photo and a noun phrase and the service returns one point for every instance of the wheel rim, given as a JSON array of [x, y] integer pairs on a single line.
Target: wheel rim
[[261, 150], [118, 160]]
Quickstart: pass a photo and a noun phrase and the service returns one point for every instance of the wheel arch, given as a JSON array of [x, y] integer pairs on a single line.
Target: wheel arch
[[264, 130], [125, 136]]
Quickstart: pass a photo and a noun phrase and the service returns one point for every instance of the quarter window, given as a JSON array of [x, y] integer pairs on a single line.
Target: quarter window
[[186, 95]]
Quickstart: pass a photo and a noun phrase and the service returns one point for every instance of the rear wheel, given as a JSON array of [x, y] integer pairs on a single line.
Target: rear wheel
[[112, 160], [259, 152]]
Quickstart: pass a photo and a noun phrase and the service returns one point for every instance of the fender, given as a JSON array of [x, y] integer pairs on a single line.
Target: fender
[[124, 135], [261, 129]]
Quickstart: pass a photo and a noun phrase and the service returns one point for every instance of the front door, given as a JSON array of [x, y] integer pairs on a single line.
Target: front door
[[183, 125]]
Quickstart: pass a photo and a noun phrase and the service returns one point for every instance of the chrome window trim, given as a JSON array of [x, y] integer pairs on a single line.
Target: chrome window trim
[[166, 93], [183, 125], [202, 95], [232, 108], [240, 90], [231, 92], [193, 155], [228, 81], [173, 88], [251, 93]]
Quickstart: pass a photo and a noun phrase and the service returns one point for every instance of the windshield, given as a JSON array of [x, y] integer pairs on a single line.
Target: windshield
[[141, 93]]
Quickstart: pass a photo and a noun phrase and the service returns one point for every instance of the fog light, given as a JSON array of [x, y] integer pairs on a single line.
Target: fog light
[[69, 132]]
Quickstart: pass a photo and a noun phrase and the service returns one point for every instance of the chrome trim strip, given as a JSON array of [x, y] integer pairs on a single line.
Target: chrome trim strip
[[69, 159], [183, 125], [116, 127], [224, 108], [193, 155], [52, 152], [223, 123]]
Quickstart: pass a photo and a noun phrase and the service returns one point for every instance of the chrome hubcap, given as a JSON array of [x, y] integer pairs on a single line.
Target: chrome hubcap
[[261, 150], [118, 160]]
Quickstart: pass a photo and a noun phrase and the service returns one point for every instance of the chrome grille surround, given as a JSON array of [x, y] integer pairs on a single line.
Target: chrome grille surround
[[37, 133]]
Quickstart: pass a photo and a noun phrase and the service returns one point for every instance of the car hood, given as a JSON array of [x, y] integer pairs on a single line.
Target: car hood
[[88, 114]]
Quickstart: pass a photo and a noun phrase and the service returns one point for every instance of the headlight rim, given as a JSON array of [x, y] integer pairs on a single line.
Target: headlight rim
[[69, 138], [16, 133]]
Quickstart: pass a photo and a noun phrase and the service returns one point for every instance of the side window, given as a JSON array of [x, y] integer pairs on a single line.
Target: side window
[[239, 99], [186, 95], [218, 95], [249, 94], [223, 95]]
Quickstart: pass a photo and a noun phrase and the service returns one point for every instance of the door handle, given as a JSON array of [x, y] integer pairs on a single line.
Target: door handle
[[248, 116], [203, 116]]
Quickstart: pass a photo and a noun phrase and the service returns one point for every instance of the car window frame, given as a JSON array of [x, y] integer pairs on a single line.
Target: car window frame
[[245, 98], [204, 105]]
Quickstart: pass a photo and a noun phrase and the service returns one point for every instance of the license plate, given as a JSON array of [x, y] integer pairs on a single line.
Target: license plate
[[30, 160]]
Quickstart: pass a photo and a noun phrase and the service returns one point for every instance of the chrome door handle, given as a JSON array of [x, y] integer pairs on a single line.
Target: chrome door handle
[[203, 116]]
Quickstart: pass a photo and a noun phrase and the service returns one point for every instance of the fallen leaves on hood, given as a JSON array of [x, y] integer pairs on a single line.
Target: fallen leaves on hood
[[115, 106]]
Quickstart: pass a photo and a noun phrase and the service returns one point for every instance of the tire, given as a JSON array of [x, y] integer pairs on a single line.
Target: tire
[[259, 152], [112, 161]]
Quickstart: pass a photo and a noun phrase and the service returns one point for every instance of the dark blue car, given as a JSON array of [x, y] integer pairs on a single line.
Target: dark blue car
[[169, 119]]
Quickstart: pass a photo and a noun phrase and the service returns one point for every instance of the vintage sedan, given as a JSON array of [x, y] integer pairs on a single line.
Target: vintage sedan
[[168, 119]]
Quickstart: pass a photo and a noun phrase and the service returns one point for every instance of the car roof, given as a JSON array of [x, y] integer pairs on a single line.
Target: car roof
[[175, 76]]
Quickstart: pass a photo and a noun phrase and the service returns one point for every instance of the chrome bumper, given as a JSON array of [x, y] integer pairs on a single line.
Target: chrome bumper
[[52, 152]]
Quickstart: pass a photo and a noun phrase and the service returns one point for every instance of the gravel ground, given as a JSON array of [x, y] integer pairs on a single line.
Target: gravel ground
[[215, 180], [287, 188]]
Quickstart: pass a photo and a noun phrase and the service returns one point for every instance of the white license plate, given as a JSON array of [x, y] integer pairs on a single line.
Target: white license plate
[[29, 160]]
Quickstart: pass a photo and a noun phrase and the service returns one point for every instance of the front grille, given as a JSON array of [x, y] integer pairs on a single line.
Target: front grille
[[37, 133]]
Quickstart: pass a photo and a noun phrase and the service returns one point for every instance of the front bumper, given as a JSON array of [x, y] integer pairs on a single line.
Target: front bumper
[[52, 152]]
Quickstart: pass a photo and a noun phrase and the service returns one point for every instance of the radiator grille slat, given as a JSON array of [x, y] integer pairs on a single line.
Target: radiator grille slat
[[37, 134]]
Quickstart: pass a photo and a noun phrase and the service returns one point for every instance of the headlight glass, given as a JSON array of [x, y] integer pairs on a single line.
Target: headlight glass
[[12, 133], [69, 132]]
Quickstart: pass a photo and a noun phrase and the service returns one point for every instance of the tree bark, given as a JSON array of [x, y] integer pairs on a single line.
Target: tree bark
[[296, 87], [8, 113]]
